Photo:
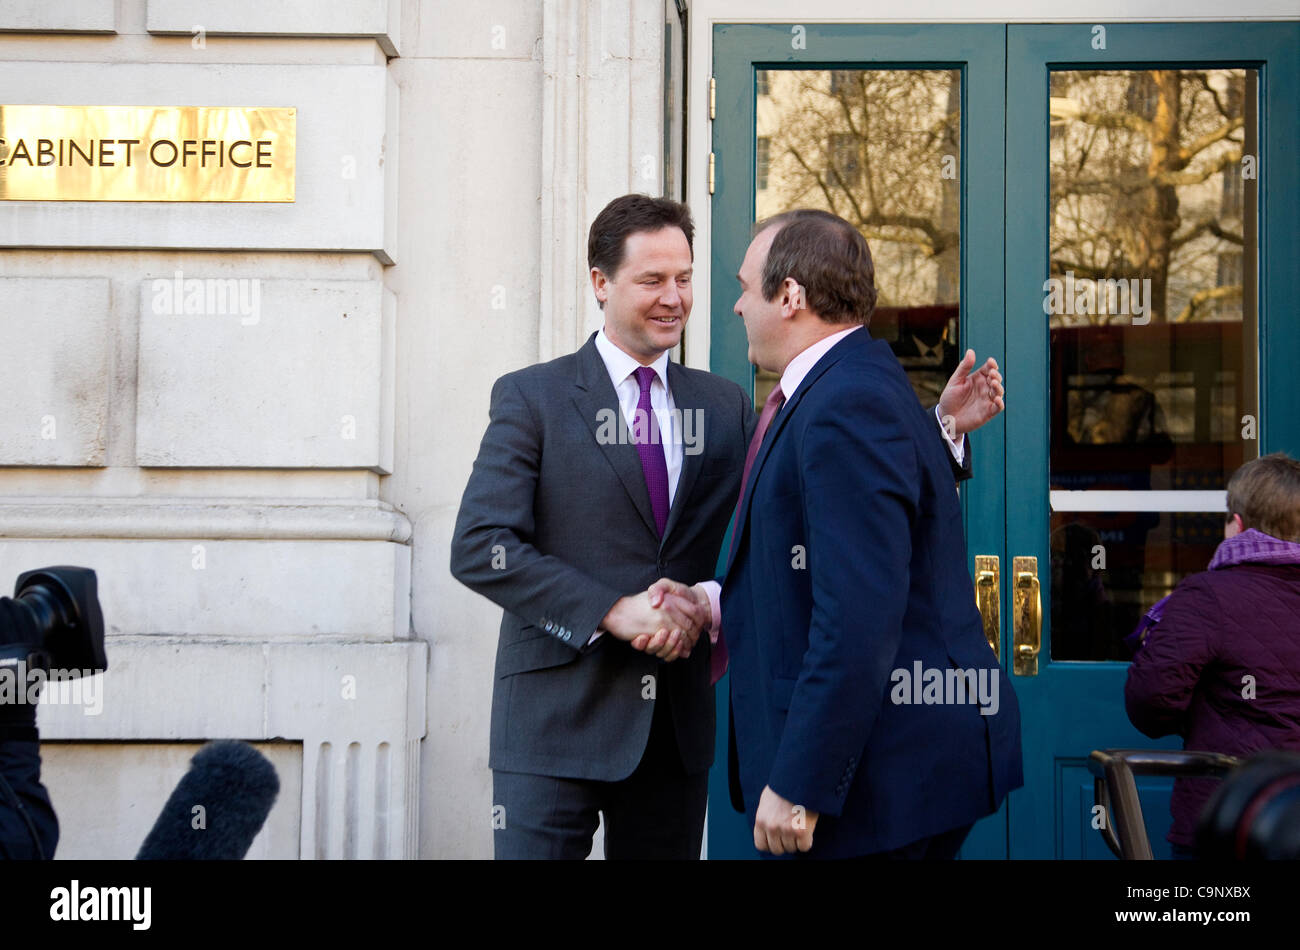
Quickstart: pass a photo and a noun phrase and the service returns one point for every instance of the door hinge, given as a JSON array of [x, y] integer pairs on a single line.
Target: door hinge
[[710, 173], [713, 97]]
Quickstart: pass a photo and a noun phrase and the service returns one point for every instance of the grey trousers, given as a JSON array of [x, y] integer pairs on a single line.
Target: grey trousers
[[656, 813]]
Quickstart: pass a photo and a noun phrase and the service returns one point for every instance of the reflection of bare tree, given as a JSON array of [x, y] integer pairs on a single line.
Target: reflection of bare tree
[[1146, 176], [1143, 170], [870, 145]]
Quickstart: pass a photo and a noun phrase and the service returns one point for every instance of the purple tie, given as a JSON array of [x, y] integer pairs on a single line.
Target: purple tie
[[775, 399], [651, 450]]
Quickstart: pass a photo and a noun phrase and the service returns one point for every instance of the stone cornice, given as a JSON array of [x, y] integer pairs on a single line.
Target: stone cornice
[[213, 518]]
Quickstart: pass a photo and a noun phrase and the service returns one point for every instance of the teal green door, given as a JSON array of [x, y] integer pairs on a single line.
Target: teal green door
[[1151, 322], [1109, 212]]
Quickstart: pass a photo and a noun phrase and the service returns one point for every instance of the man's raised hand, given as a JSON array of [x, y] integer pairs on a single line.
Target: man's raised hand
[[971, 399]]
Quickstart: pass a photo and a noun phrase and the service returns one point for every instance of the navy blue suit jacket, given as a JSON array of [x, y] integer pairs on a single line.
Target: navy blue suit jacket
[[850, 566]]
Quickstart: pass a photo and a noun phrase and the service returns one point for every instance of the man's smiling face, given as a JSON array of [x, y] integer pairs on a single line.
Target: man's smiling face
[[648, 300]]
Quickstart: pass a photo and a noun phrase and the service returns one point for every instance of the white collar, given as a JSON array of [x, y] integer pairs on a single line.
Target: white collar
[[799, 366], [620, 365]]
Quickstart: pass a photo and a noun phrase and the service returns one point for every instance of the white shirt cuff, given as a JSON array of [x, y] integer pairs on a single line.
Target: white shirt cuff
[[714, 590], [958, 449]]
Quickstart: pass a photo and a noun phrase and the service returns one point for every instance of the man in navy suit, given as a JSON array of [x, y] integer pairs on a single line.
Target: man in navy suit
[[871, 718]]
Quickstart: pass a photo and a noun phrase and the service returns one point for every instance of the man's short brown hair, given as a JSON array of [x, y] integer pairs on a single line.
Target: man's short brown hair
[[628, 215], [828, 258], [1266, 493]]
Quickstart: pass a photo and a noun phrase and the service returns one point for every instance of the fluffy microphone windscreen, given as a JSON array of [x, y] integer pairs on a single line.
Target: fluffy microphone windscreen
[[217, 808]]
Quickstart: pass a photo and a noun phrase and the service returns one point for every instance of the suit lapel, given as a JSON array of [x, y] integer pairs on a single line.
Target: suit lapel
[[687, 398], [832, 356], [598, 405]]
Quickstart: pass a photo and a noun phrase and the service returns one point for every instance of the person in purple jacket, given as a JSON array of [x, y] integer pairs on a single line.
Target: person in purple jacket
[[1218, 660]]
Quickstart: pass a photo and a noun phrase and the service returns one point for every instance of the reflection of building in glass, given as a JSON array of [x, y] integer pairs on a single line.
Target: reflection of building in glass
[[762, 162]]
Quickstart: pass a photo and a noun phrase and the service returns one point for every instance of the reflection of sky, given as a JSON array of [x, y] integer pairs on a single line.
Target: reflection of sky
[[143, 181]]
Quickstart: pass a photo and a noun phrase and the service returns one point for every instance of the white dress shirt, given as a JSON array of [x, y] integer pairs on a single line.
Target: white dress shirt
[[621, 368]]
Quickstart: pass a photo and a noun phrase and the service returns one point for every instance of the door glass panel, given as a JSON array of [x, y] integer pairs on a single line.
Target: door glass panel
[[1151, 308], [882, 149]]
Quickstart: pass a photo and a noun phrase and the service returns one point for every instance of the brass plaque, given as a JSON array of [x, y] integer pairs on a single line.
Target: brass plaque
[[146, 153]]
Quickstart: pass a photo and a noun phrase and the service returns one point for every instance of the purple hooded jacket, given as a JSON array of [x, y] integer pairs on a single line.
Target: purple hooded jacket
[[1220, 663]]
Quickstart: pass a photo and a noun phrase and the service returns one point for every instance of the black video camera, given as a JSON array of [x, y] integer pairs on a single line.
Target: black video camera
[[1254, 815], [52, 628], [54, 622]]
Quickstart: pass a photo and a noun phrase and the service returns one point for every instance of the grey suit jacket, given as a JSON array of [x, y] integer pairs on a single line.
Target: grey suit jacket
[[555, 525]]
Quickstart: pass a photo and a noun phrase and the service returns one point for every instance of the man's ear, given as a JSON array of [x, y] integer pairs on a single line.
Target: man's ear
[[792, 297], [598, 285]]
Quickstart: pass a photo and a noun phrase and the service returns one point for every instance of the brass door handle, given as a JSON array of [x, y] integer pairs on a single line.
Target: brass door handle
[[988, 597], [1027, 616]]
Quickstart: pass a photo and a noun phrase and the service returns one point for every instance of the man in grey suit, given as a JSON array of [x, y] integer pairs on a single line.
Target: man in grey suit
[[599, 473], [565, 525]]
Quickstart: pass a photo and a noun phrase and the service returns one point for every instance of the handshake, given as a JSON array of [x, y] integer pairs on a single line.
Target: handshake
[[664, 620]]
